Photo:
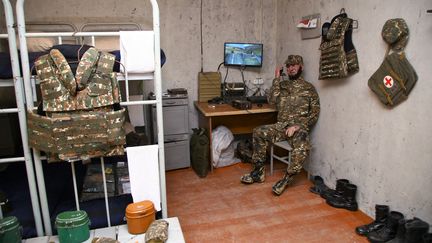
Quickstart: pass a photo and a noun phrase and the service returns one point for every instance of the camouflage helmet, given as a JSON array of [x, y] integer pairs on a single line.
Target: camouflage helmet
[[395, 33], [294, 59]]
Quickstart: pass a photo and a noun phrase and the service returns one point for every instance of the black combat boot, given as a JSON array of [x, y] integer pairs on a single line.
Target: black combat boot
[[337, 193], [319, 187], [256, 175], [279, 187], [347, 200], [400, 235], [415, 229], [388, 232], [427, 238], [381, 213]]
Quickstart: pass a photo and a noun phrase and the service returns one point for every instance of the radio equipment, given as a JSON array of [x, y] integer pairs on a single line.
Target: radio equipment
[[241, 104]]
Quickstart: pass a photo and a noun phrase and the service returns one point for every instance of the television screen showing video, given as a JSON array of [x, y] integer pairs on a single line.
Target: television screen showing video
[[243, 54]]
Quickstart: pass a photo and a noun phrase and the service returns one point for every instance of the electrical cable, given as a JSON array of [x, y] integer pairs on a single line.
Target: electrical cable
[[201, 35], [220, 66], [224, 83], [242, 75], [243, 80]]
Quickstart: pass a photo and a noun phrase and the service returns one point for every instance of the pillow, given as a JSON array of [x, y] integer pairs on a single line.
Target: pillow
[[38, 44], [107, 44]]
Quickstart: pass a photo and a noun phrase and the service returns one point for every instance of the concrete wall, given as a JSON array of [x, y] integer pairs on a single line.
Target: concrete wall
[[385, 152]]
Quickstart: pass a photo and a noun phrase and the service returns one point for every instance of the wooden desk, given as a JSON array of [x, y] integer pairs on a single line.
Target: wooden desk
[[238, 121]]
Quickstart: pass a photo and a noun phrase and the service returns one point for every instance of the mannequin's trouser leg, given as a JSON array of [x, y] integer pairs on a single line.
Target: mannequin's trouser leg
[[262, 136], [301, 147]]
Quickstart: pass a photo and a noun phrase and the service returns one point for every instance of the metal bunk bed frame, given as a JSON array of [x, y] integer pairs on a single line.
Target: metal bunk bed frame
[[20, 101], [29, 101]]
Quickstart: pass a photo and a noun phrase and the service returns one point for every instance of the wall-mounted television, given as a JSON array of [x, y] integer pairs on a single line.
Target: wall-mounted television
[[243, 54]]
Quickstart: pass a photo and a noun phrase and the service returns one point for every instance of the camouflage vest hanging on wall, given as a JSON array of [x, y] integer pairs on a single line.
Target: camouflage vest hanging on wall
[[80, 121], [396, 77], [338, 55]]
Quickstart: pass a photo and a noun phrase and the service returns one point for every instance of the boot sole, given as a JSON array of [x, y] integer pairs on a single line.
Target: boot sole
[[252, 182], [348, 208], [276, 193]]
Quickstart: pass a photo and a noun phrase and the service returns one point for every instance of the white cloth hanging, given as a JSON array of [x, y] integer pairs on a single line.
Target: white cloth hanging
[[143, 165], [137, 51]]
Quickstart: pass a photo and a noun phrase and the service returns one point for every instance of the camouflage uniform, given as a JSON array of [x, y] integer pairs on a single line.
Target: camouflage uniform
[[297, 103]]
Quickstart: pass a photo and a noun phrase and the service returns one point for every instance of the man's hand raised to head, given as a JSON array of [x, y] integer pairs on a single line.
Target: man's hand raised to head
[[291, 130], [278, 71]]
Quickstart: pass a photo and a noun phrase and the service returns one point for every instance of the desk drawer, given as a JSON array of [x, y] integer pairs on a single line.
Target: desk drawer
[[177, 155]]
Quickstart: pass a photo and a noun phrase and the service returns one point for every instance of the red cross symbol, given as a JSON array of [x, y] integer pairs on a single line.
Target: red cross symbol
[[388, 81]]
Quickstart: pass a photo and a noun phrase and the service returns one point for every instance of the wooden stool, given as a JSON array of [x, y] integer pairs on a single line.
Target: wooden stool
[[286, 159]]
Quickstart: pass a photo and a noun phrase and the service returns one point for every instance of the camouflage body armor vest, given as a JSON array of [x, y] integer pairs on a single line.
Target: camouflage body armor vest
[[338, 55], [80, 121]]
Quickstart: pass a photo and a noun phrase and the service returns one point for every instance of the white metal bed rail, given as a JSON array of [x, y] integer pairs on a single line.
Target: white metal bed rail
[[18, 87]]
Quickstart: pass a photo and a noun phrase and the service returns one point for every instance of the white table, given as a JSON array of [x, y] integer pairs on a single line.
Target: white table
[[175, 234]]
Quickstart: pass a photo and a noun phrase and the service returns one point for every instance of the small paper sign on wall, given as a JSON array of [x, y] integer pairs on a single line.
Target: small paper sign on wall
[[310, 26]]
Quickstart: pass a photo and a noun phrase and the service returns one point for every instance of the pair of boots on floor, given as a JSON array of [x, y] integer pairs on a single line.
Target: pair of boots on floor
[[258, 175], [391, 226], [343, 196]]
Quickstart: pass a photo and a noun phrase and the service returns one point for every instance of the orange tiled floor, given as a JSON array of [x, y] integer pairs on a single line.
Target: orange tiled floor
[[218, 208]]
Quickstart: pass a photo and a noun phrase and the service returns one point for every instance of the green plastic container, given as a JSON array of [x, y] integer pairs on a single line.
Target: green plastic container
[[72, 226], [10, 230]]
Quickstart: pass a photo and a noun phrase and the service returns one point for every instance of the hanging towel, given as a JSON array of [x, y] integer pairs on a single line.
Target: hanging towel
[[143, 165], [137, 51]]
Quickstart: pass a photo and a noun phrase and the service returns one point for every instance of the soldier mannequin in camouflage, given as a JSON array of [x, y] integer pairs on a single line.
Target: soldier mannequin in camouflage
[[298, 107]]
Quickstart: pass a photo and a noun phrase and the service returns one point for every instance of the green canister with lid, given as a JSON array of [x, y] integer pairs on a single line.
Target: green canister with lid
[[73, 226], [10, 230]]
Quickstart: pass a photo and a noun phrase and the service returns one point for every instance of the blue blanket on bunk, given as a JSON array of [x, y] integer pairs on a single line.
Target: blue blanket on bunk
[[71, 52]]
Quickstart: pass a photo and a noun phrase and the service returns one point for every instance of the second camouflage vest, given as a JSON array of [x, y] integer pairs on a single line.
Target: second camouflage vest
[[338, 55]]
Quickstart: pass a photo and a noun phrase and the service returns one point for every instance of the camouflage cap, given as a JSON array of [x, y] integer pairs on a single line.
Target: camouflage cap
[[395, 32], [294, 59]]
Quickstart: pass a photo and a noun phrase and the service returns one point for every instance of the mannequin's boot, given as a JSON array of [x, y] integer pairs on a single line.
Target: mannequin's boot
[[256, 175], [381, 213], [279, 187], [347, 200], [427, 238], [400, 234], [319, 187], [337, 192], [415, 229], [388, 232]]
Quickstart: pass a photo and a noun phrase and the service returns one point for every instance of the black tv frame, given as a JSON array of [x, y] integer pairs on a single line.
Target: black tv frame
[[243, 65]]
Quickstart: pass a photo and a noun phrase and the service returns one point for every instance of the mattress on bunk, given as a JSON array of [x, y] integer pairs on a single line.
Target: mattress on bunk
[[6, 66], [71, 52]]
